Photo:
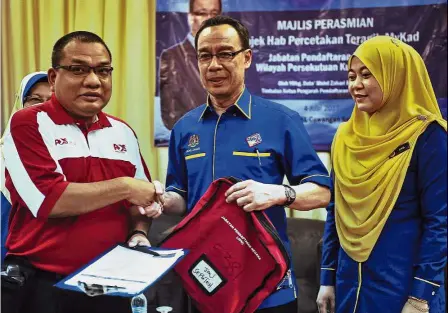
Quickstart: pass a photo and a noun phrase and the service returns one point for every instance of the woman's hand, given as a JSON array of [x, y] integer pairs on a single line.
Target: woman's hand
[[326, 299], [414, 306]]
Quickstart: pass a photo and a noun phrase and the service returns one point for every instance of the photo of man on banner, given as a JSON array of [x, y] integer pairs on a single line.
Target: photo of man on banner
[[180, 87]]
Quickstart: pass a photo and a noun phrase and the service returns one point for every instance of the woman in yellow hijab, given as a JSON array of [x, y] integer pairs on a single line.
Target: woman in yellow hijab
[[385, 240]]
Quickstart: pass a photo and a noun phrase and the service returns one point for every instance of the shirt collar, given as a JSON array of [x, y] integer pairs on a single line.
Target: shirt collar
[[60, 116], [243, 103]]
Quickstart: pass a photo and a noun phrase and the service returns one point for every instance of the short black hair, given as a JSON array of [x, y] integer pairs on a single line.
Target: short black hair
[[192, 5], [242, 31], [81, 36]]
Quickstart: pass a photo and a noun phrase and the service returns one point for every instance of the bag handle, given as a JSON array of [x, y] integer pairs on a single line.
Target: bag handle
[[232, 179]]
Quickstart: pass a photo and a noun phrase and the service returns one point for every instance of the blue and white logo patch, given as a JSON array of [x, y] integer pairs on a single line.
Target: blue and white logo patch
[[254, 140]]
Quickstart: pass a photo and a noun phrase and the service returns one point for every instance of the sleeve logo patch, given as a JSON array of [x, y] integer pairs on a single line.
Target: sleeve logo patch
[[193, 141], [120, 148]]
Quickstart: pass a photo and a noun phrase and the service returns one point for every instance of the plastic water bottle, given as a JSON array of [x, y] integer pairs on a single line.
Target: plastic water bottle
[[139, 304], [164, 309]]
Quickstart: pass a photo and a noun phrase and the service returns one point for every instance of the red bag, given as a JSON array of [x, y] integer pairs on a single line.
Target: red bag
[[236, 259]]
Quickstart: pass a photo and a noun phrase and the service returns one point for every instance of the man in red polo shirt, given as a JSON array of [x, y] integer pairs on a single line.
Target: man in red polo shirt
[[76, 179]]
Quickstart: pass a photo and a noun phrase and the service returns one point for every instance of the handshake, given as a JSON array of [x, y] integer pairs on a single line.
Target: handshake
[[151, 198], [147, 196]]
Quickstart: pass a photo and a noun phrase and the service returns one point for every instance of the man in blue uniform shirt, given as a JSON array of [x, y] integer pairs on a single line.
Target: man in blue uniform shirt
[[241, 135]]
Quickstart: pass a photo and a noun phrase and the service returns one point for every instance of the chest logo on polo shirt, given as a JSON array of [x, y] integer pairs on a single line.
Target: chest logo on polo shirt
[[193, 141], [60, 141], [120, 148], [254, 140], [63, 142]]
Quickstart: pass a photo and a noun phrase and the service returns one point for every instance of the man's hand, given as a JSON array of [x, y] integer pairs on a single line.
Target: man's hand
[[255, 196], [141, 192], [173, 204], [152, 211], [326, 299], [412, 308], [160, 191], [139, 240], [155, 209]]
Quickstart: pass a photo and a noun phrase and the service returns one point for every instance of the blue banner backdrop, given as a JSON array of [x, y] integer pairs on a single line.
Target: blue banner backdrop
[[301, 50]]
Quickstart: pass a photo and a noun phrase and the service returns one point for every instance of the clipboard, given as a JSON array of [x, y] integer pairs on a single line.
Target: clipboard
[[123, 271]]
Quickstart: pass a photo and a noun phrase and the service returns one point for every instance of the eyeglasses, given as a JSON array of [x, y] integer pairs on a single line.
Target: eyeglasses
[[34, 99], [205, 57], [102, 71], [205, 14]]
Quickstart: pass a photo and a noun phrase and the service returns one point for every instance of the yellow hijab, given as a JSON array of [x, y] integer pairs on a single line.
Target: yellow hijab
[[368, 179]]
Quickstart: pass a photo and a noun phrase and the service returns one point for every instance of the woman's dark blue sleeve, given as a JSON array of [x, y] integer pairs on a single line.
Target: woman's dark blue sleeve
[[330, 247], [432, 187]]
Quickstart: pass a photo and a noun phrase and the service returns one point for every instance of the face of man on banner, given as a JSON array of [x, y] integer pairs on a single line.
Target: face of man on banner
[[201, 10], [222, 60]]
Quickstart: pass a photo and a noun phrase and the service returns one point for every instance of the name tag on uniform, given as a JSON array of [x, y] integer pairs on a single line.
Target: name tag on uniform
[[400, 149]]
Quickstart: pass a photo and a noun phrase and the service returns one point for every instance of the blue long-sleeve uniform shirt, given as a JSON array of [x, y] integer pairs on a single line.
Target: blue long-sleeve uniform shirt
[[410, 254], [254, 139]]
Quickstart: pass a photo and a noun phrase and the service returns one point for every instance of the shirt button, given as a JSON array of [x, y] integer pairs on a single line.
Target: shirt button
[[421, 118], [433, 293], [234, 114]]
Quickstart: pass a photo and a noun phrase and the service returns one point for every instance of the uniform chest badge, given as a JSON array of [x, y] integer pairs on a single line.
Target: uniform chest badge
[[254, 140], [193, 141]]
